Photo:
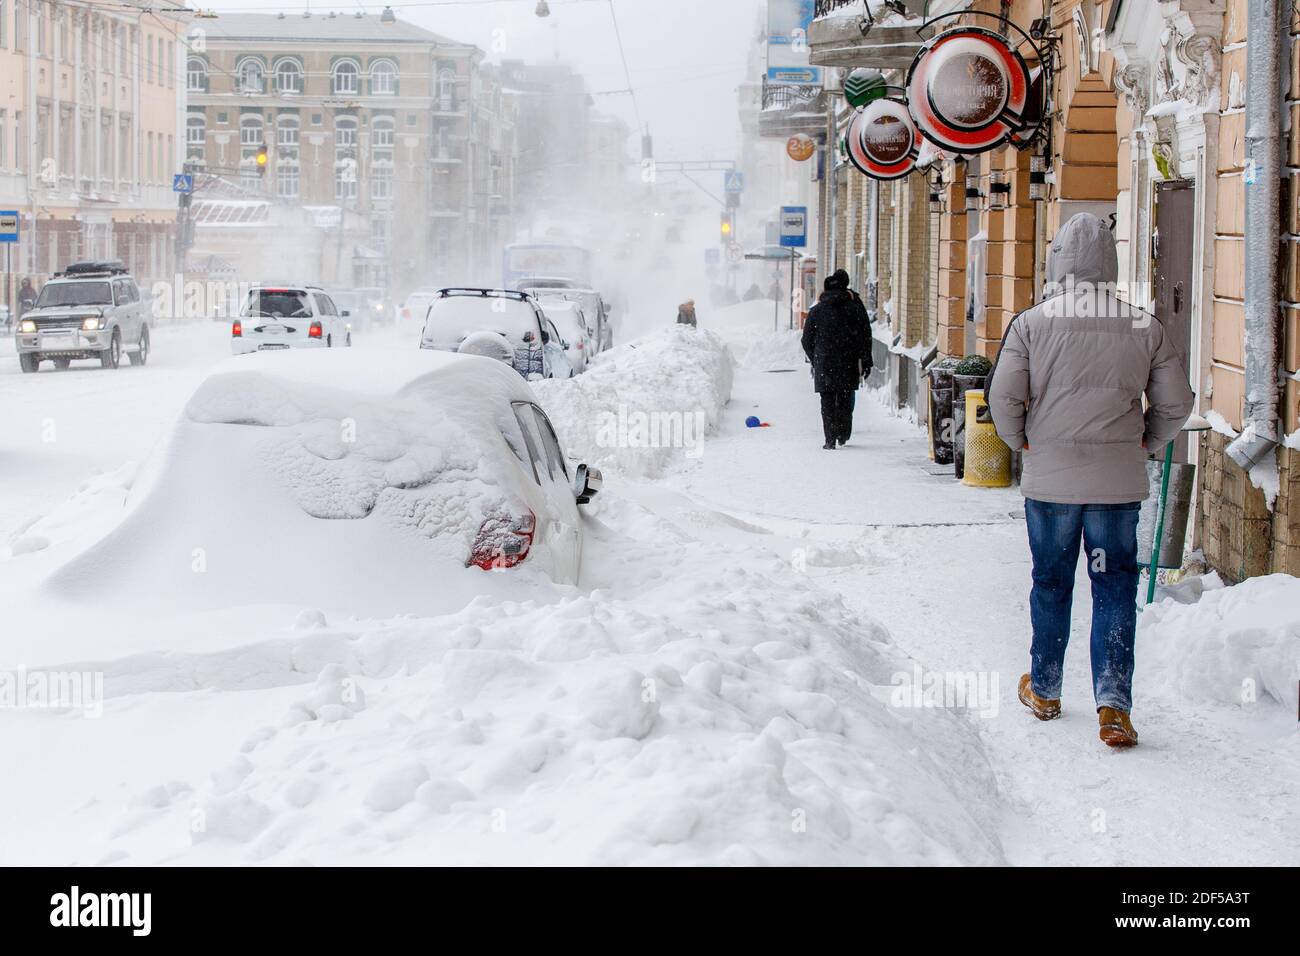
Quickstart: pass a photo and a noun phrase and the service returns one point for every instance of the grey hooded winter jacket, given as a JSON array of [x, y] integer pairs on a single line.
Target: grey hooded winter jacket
[[1070, 377]]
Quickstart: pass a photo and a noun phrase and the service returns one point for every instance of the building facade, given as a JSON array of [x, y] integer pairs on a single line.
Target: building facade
[[388, 145], [1148, 130], [91, 100]]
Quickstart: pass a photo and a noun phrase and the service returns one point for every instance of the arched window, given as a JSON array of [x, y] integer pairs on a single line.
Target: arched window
[[447, 90], [346, 78], [251, 76], [288, 77], [383, 78], [196, 75], [196, 129]]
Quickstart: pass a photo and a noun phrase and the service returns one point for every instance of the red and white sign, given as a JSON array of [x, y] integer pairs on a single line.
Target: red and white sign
[[968, 91], [883, 141]]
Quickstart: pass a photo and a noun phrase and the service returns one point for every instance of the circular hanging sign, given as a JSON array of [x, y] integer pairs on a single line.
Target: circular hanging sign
[[883, 141], [968, 90], [863, 85], [800, 147]]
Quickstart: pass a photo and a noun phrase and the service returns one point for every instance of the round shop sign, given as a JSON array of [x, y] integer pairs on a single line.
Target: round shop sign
[[883, 141], [967, 90], [800, 147]]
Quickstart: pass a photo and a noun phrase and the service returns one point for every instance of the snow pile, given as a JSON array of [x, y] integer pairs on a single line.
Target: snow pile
[[744, 324], [96, 507], [777, 352], [693, 711], [1234, 646], [645, 405]]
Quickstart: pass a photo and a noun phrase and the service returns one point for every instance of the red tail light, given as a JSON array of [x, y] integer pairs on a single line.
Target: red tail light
[[315, 331], [237, 330], [503, 541]]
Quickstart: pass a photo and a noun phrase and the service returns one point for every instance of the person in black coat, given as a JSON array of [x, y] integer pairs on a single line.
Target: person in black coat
[[837, 341]]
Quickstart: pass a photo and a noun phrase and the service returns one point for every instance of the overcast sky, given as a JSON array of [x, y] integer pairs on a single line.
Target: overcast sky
[[686, 56]]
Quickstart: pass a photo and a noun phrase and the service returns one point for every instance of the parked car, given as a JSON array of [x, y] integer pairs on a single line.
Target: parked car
[[594, 310], [283, 317], [456, 471], [92, 310], [377, 307], [456, 314], [546, 282], [572, 325]]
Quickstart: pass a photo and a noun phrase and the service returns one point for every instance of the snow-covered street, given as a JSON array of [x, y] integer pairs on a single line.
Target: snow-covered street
[[742, 675]]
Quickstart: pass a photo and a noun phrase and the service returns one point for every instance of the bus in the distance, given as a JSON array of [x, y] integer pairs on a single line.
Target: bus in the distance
[[545, 260]]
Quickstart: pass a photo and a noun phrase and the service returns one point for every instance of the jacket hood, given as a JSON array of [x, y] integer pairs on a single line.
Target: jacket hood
[[1083, 252]]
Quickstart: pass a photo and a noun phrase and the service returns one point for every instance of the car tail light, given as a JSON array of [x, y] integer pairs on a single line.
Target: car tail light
[[503, 541], [315, 331], [237, 330]]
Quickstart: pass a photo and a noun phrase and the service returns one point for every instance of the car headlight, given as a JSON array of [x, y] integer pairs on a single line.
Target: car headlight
[[379, 307], [91, 324], [27, 325]]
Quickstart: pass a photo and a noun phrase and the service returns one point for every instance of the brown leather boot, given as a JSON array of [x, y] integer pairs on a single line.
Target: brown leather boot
[[1042, 708], [1116, 729]]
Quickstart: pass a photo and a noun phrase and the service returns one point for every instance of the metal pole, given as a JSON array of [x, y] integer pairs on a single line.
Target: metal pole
[[792, 290], [1158, 539]]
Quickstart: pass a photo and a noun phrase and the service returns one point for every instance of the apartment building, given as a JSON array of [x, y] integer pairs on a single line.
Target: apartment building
[[91, 100]]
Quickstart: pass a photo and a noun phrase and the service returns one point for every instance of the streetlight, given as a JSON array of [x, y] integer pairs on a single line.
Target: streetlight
[[388, 16]]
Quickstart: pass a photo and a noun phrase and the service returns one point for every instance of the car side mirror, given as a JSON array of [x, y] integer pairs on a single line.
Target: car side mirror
[[587, 482], [345, 313], [546, 337]]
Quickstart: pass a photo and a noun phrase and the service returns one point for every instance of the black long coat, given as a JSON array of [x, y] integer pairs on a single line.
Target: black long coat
[[837, 340]]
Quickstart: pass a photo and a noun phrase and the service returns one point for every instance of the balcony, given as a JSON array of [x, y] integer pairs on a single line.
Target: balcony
[[790, 108], [843, 34]]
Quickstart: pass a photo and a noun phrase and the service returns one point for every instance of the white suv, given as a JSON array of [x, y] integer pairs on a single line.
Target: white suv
[[283, 317], [93, 310]]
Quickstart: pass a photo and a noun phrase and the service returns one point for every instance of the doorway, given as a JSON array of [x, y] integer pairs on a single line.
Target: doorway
[[1173, 253]]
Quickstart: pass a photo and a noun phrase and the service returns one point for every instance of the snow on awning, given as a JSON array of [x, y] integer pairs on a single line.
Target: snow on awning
[[230, 212]]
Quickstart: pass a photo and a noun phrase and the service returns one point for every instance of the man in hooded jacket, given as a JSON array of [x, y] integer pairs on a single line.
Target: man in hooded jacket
[[837, 340], [1068, 389]]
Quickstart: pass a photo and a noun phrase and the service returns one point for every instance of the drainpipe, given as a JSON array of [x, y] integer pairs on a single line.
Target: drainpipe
[[1263, 159]]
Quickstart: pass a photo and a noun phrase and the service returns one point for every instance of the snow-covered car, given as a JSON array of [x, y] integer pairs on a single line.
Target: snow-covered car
[[379, 481], [285, 317], [594, 310], [457, 314], [532, 283], [93, 310], [572, 327]]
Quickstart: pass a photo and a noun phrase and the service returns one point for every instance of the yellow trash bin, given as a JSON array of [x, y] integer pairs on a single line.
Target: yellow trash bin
[[988, 459]]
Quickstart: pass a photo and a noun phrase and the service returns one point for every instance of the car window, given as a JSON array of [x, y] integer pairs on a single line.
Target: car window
[[554, 456], [74, 293], [132, 290], [528, 425], [277, 304], [323, 304]]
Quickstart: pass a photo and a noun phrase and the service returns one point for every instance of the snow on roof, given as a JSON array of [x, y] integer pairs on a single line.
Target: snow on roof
[[319, 28]]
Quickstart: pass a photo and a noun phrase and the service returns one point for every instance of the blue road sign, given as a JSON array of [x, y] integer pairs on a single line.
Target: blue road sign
[[8, 225], [183, 183], [794, 226], [735, 182]]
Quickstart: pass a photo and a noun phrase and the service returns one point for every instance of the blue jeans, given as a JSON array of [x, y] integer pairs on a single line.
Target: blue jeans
[[1109, 534]]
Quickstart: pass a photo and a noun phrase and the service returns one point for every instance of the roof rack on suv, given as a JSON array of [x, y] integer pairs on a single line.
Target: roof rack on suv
[[104, 267], [500, 293]]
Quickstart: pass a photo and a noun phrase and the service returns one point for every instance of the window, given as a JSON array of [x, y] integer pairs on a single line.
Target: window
[[324, 304], [286, 180], [149, 160], [196, 75], [250, 76], [345, 158], [447, 91], [381, 182], [346, 77], [39, 40], [250, 140], [554, 457], [286, 137], [532, 441], [383, 78], [288, 77], [148, 61], [4, 129], [196, 129], [169, 64], [382, 136]]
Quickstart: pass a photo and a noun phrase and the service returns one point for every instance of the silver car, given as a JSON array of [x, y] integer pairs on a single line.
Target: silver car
[[93, 310]]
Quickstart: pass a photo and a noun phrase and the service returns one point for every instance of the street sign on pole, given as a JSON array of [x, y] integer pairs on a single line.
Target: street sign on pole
[[183, 183], [8, 225], [794, 226], [735, 182], [8, 236]]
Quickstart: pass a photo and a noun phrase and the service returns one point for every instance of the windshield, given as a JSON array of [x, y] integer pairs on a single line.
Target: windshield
[[454, 317], [277, 304], [74, 293], [567, 322]]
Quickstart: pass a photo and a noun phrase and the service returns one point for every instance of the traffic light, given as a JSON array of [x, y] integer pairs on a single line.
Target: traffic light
[[263, 158], [726, 225]]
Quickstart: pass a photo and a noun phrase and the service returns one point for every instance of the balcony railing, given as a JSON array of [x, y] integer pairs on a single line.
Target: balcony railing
[[785, 96], [825, 7]]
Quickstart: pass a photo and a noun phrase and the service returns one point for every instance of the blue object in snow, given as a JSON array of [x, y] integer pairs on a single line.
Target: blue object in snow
[[752, 421]]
